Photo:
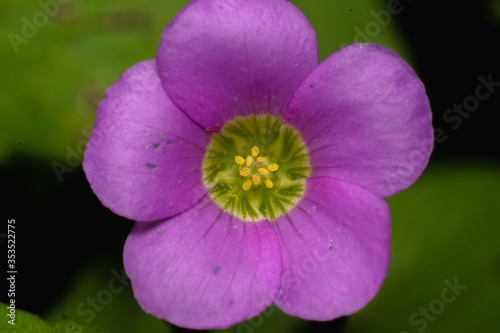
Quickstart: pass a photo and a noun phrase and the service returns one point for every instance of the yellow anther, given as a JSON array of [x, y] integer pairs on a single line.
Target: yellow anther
[[256, 179], [240, 160], [249, 160], [273, 167], [255, 151], [263, 171], [245, 172], [268, 183], [247, 185], [261, 159]]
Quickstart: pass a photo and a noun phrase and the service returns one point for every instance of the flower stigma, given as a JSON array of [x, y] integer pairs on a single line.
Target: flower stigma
[[256, 167]]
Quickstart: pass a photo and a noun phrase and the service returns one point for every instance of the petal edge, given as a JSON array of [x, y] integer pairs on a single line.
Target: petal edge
[[203, 269], [366, 119], [335, 248], [144, 156], [221, 58]]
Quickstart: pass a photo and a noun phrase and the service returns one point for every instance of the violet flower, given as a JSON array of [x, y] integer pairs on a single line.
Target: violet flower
[[257, 175]]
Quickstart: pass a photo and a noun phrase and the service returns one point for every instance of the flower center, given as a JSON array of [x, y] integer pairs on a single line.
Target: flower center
[[256, 167]]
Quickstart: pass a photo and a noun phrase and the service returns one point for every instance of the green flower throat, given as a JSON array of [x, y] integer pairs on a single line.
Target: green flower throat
[[256, 167]]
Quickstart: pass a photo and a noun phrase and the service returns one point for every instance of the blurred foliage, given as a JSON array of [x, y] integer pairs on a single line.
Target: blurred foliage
[[492, 11], [53, 83], [21, 321], [24, 322]]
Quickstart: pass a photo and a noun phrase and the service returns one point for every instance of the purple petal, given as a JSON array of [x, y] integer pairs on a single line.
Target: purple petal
[[335, 247], [221, 58], [203, 268], [366, 119], [144, 157]]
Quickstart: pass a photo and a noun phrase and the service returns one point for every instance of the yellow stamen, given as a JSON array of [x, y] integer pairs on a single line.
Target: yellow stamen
[[245, 172], [247, 185], [240, 160], [263, 171], [256, 179], [261, 159], [273, 167], [268, 183], [255, 151], [249, 160]]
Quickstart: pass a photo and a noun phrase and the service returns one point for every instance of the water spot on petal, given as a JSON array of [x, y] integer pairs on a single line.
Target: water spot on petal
[[160, 231], [216, 269], [156, 145], [151, 166]]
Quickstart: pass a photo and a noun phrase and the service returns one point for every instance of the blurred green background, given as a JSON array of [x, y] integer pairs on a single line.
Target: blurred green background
[[446, 227]]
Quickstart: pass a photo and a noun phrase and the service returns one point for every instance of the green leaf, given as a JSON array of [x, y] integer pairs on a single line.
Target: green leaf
[[19, 321]]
